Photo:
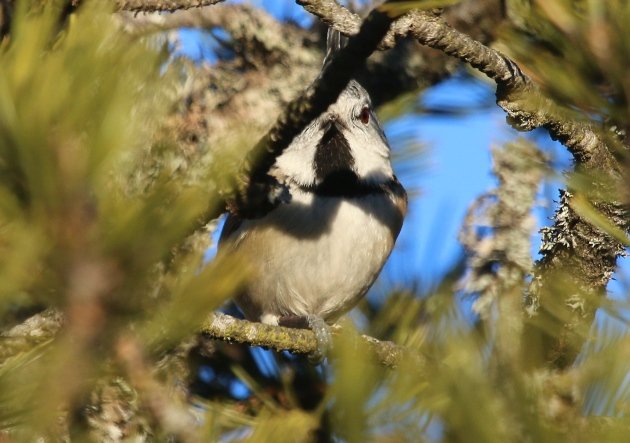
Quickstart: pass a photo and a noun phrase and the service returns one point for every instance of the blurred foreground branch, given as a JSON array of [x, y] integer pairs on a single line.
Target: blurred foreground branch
[[500, 261], [173, 416], [33, 331]]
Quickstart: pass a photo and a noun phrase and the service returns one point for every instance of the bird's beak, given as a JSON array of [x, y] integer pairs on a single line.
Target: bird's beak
[[333, 123]]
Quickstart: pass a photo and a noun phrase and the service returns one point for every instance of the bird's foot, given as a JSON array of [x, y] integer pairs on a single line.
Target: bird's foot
[[320, 328], [323, 337]]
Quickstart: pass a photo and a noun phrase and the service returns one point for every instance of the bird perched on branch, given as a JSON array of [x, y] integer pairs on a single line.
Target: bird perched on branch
[[317, 254]]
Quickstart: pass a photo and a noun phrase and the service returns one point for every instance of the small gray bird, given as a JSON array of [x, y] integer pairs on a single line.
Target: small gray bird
[[317, 255]]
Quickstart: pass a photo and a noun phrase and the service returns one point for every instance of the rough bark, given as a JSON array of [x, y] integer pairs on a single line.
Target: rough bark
[[162, 5], [299, 341], [47, 324]]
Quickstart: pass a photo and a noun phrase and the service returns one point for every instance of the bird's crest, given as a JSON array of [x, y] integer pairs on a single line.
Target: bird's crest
[[334, 42]]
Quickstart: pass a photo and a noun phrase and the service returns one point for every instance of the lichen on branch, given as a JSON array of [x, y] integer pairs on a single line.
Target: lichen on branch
[[162, 5]]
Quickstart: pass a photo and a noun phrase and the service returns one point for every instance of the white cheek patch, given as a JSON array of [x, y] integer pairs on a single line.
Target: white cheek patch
[[371, 157], [296, 162], [297, 165]]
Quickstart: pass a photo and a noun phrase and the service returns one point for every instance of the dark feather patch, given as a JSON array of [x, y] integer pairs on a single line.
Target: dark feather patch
[[333, 153], [347, 184], [344, 183]]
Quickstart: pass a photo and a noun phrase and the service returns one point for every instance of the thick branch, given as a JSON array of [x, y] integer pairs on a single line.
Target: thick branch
[[335, 15]]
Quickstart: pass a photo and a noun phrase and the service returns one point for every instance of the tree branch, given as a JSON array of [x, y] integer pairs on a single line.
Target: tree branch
[[162, 5], [335, 16], [300, 341], [204, 18], [254, 32], [46, 324]]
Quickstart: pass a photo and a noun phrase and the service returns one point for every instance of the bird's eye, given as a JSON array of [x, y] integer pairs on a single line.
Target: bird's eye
[[364, 116]]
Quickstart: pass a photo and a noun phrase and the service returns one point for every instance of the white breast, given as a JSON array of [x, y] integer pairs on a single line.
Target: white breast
[[316, 255]]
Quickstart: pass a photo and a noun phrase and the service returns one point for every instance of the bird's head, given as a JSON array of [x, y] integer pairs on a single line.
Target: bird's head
[[346, 140]]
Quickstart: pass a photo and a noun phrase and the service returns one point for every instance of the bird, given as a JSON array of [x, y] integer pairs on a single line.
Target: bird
[[316, 254]]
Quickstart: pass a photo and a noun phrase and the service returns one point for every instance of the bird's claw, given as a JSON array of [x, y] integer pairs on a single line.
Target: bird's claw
[[323, 336]]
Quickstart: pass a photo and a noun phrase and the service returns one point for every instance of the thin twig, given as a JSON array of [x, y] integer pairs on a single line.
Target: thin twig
[[204, 18], [162, 5], [251, 27]]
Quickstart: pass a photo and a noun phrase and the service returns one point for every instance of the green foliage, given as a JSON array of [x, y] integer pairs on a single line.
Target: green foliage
[[79, 111]]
